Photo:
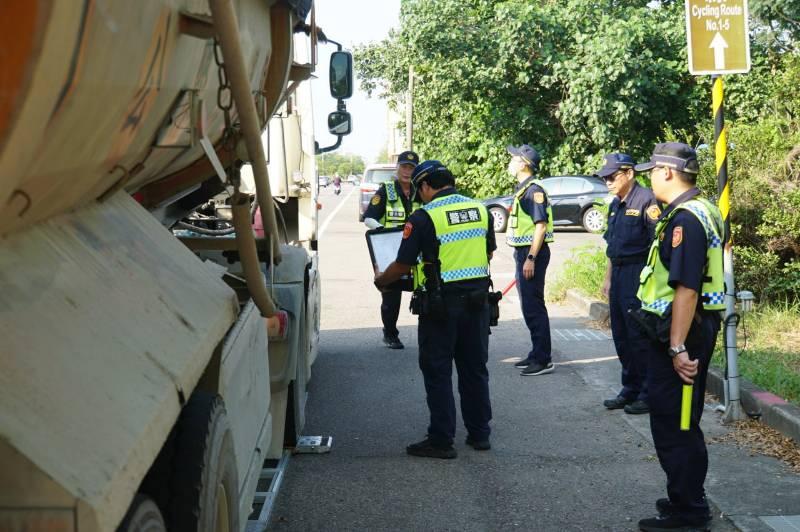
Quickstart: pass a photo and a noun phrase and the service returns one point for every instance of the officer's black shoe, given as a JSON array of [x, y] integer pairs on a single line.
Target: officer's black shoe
[[428, 449], [478, 445], [667, 523], [537, 368], [393, 342], [637, 407], [617, 403], [666, 508], [524, 363]]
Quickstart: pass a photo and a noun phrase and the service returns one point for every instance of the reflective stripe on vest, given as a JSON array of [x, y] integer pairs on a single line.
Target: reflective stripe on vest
[[461, 224], [520, 224], [654, 290], [395, 213]]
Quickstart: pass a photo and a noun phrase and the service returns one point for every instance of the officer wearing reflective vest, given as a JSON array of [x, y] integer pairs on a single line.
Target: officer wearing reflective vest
[[529, 232], [632, 217], [390, 207], [682, 293], [449, 243]]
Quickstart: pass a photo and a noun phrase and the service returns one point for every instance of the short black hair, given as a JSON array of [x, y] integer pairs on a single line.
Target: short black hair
[[441, 180], [686, 177]]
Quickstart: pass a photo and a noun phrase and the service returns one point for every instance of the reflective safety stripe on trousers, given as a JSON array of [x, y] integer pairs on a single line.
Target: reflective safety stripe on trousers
[[520, 225], [395, 213], [654, 290], [461, 224]]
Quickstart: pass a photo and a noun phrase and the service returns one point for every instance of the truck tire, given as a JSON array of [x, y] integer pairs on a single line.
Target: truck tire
[[205, 483], [143, 516]]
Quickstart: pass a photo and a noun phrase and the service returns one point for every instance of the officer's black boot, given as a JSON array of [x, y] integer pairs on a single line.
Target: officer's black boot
[[427, 449]]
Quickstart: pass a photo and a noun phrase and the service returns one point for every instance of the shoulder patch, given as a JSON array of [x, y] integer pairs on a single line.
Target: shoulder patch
[[677, 236], [633, 212], [407, 229], [538, 197], [653, 212], [375, 200]]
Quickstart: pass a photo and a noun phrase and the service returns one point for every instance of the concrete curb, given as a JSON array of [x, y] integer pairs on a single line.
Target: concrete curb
[[774, 411], [596, 310]]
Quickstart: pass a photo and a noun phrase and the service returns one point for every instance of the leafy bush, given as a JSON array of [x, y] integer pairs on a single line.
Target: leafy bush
[[585, 270]]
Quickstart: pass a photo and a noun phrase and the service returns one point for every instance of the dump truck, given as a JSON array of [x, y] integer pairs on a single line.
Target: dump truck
[[156, 348]]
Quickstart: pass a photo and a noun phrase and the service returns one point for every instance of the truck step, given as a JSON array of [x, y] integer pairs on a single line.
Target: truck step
[[313, 445]]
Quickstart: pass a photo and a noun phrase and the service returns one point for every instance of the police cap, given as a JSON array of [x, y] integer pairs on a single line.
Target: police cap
[[675, 155], [408, 157], [528, 154], [614, 162], [427, 169]]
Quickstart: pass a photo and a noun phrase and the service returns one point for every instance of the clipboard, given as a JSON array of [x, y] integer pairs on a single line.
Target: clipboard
[[383, 245]]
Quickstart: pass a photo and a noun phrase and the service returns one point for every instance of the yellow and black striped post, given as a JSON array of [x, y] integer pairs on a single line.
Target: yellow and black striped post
[[721, 154], [733, 406]]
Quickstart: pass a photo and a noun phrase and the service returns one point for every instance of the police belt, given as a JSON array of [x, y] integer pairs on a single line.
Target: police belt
[[624, 261], [473, 298]]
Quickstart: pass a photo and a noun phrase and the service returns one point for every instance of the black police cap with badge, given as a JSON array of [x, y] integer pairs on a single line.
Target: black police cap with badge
[[614, 162], [408, 157]]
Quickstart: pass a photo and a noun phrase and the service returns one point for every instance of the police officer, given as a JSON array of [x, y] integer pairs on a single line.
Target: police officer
[[530, 231], [682, 294], [390, 207], [631, 219], [454, 237]]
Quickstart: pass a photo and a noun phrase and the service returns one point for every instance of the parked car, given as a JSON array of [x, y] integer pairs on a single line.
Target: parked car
[[324, 181], [573, 200], [374, 175]]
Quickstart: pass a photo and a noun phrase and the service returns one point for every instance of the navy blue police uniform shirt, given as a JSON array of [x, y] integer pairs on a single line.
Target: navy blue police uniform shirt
[[537, 210], [682, 248], [631, 224], [377, 205], [419, 237]]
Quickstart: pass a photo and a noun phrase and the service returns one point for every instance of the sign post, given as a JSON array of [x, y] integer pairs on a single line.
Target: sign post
[[718, 43]]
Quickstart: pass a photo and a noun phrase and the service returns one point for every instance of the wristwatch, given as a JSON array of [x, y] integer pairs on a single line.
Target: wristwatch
[[676, 350], [532, 257]]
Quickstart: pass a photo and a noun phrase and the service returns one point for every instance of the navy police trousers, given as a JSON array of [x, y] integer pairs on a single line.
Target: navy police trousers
[[531, 297], [629, 339], [464, 338], [682, 454]]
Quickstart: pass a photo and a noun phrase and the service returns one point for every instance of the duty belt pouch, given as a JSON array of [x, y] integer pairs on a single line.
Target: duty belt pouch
[[494, 307], [656, 327], [476, 300], [433, 305], [416, 303]]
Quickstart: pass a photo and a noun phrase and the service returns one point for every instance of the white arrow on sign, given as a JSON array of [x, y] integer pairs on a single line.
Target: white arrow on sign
[[718, 43]]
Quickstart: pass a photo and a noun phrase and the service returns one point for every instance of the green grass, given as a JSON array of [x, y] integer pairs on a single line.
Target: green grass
[[584, 271], [769, 344]]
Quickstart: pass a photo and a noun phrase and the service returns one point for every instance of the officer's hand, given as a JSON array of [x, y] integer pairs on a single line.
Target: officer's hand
[[527, 270], [686, 369], [606, 287]]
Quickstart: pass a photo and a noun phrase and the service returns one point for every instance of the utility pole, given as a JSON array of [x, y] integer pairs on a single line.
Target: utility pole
[[410, 110]]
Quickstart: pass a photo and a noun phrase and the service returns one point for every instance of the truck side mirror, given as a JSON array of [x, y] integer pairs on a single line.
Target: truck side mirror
[[339, 123], [341, 75]]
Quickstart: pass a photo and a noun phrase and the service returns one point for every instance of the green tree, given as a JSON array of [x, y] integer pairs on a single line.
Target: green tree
[[574, 78]]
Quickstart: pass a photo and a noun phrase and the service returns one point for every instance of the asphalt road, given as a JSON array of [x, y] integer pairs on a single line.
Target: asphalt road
[[559, 460]]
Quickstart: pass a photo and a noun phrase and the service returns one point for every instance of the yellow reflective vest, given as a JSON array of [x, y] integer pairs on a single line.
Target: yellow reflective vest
[[395, 213], [654, 290], [461, 224], [520, 224]]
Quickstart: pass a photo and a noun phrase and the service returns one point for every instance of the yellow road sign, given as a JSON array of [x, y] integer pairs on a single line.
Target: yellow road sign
[[717, 36]]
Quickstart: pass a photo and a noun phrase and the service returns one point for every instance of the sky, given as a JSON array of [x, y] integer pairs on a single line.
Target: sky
[[352, 22]]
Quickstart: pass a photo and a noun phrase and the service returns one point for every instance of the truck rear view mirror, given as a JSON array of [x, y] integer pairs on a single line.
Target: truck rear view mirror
[[339, 123], [341, 75]]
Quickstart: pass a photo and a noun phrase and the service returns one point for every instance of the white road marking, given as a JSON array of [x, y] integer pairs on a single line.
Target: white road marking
[[332, 215], [586, 361]]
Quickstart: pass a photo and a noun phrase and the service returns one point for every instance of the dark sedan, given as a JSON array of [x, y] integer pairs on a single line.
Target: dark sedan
[[573, 200]]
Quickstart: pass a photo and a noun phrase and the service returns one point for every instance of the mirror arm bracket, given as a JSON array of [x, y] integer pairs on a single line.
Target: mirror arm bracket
[[326, 149]]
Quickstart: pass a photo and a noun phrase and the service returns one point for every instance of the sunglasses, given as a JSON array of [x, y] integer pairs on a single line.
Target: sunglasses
[[613, 177]]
